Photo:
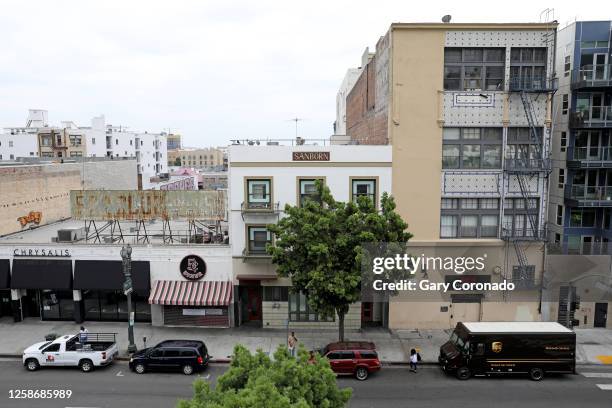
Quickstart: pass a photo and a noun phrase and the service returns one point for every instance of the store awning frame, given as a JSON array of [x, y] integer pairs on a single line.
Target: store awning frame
[[191, 293], [42, 274], [5, 274], [108, 275]]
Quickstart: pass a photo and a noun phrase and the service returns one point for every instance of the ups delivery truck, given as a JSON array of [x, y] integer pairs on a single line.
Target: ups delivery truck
[[487, 348]]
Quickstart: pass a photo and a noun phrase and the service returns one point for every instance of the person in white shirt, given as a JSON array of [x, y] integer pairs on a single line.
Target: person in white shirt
[[414, 359]]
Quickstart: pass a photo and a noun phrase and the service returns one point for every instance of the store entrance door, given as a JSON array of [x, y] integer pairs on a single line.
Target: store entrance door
[[601, 315], [5, 303], [251, 302]]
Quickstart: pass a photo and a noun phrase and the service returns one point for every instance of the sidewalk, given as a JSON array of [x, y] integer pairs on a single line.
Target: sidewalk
[[594, 345]]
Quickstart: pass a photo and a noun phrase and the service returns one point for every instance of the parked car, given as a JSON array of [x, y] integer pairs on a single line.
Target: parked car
[[352, 358], [100, 349], [188, 356]]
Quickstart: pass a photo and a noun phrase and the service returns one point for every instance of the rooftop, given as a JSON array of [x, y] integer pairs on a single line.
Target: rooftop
[[516, 327]]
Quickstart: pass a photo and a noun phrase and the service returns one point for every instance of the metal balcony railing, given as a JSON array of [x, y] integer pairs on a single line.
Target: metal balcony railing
[[594, 248], [602, 153], [582, 192], [532, 83], [523, 234], [595, 76], [592, 116], [266, 206]]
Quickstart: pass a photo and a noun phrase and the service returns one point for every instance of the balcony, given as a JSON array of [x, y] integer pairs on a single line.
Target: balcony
[[526, 165], [588, 196], [593, 248], [534, 83], [592, 76], [590, 157], [591, 117]]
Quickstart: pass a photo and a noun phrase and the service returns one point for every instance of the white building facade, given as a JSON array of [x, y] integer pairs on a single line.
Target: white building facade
[[262, 180]]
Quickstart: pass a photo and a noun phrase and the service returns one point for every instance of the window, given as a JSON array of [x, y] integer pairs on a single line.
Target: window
[[448, 226], [527, 68], [258, 237], [489, 203], [469, 226], [275, 293], [93, 140], [75, 140], [520, 217], [563, 141], [52, 348], [76, 154], [582, 218], [259, 193], [363, 188], [523, 277], [300, 310], [10, 143], [557, 238], [45, 140], [567, 66], [171, 353], [594, 44], [12, 156], [131, 142], [469, 203], [488, 227], [564, 105], [450, 203], [471, 148], [307, 190], [561, 180], [116, 141], [473, 68]]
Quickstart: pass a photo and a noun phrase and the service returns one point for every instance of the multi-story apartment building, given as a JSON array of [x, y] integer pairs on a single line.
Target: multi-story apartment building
[[345, 87], [174, 141], [69, 141], [204, 158], [262, 180], [467, 110], [580, 210]]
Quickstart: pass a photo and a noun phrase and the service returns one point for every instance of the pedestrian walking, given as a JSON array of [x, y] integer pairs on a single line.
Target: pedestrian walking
[[292, 343], [83, 333], [414, 359]]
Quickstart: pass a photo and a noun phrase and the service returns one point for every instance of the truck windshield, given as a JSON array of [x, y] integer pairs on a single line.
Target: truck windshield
[[44, 345], [460, 343]]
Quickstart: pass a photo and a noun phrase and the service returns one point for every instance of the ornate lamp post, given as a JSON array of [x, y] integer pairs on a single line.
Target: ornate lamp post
[[126, 256]]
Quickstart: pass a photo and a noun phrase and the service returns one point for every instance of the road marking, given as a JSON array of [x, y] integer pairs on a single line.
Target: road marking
[[597, 375], [605, 387], [119, 374]]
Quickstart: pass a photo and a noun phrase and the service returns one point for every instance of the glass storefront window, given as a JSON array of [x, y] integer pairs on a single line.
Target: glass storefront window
[[56, 305], [111, 305]]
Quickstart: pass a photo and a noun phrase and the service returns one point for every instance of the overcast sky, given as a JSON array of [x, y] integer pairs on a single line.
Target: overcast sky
[[210, 70]]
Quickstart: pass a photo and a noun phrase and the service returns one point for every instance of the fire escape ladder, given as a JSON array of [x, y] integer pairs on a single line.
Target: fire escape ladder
[[531, 215], [536, 136]]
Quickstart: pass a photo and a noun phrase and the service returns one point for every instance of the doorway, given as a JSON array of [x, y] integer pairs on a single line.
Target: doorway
[[5, 303], [465, 308], [251, 302], [601, 315], [371, 314], [600, 67]]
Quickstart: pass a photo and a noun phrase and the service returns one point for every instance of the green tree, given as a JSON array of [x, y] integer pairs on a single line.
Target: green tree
[[177, 162], [257, 381], [320, 246]]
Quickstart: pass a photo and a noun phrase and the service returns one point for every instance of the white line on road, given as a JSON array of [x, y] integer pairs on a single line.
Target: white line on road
[[605, 387], [597, 375], [119, 374]]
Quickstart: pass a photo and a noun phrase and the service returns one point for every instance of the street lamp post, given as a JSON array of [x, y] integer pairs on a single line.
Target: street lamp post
[[126, 256]]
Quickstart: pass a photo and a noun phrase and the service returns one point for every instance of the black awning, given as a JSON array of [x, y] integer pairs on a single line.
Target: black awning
[[108, 275], [42, 274], [5, 274]]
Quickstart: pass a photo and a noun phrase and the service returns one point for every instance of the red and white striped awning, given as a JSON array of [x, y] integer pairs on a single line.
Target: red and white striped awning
[[188, 293]]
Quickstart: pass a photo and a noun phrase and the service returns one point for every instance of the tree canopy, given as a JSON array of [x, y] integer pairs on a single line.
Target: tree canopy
[[320, 246], [257, 381]]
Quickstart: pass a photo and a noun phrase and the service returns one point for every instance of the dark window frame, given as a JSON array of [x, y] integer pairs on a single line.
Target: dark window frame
[[485, 82]]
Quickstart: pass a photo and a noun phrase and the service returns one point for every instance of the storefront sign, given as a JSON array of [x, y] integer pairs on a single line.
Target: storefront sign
[[193, 267], [202, 312], [45, 253], [310, 156]]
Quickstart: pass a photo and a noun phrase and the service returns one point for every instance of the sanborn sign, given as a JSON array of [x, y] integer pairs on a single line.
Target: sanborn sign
[[310, 156]]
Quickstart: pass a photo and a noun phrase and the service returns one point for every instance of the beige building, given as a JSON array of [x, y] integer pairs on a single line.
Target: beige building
[[63, 142], [466, 108], [209, 157], [35, 194]]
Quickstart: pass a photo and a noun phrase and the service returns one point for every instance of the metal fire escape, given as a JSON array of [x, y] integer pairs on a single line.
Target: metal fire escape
[[537, 166]]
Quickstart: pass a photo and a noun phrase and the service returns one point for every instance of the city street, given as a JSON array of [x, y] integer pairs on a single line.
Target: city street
[[117, 387]]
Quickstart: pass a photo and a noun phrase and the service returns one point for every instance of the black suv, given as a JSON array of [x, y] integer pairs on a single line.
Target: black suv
[[185, 355]]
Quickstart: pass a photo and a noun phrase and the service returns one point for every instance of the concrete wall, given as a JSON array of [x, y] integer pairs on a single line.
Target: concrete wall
[[276, 318]]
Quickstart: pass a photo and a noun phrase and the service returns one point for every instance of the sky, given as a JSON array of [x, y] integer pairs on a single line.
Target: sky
[[210, 70]]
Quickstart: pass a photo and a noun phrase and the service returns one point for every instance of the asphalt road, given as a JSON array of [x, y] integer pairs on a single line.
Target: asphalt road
[[117, 387]]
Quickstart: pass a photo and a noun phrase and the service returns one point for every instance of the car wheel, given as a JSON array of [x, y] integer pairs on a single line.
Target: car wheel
[[536, 374], [140, 368], [464, 373], [361, 373], [86, 366], [32, 364], [187, 369]]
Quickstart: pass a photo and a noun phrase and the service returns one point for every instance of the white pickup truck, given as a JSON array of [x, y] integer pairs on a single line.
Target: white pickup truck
[[99, 349]]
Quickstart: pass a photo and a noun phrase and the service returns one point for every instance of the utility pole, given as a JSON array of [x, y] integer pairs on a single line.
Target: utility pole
[[128, 288]]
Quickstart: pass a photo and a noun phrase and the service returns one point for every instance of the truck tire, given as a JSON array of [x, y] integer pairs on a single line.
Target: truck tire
[[361, 373], [463, 373], [86, 365], [187, 369], [536, 374], [31, 364], [140, 368]]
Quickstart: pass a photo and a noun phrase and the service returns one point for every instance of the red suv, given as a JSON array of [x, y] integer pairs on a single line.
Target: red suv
[[352, 358]]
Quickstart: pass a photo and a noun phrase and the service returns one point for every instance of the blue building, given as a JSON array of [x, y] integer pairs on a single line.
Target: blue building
[[580, 207]]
